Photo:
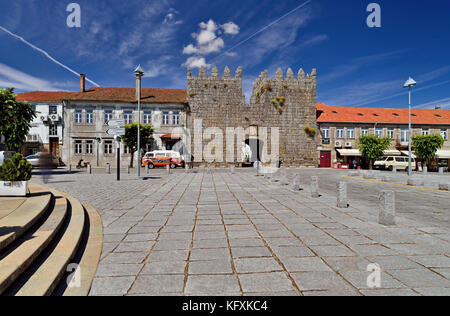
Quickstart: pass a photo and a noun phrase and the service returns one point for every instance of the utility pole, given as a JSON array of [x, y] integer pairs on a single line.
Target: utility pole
[[139, 73]]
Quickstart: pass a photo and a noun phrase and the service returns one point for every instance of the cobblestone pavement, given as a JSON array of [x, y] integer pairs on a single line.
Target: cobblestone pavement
[[217, 233]]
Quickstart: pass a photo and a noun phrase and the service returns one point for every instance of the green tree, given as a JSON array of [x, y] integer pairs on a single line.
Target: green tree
[[15, 119], [426, 147], [372, 147], [130, 138], [16, 169]]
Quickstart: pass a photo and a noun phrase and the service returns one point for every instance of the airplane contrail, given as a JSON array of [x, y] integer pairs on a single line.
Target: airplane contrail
[[20, 38], [263, 29]]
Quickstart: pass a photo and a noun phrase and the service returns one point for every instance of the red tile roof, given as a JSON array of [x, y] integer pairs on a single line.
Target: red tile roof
[[42, 96], [336, 114], [127, 95]]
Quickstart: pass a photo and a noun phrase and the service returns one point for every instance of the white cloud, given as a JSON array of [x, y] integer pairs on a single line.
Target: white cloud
[[196, 62], [230, 28], [443, 103], [208, 41], [13, 78]]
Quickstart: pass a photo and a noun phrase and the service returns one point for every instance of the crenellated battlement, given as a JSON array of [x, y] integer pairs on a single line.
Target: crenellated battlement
[[215, 88], [284, 84]]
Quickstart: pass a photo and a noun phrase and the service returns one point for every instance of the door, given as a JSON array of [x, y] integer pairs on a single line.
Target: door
[[54, 147], [325, 159]]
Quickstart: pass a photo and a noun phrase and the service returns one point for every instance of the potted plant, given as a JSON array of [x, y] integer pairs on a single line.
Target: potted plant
[[14, 176]]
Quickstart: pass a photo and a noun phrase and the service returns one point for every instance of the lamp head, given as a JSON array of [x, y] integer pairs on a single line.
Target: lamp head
[[139, 71], [410, 83]]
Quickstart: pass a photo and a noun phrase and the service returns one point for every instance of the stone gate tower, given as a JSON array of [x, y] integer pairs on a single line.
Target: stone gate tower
[[287, 103]]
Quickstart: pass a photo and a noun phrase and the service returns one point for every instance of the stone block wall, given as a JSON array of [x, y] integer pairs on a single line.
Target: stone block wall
[[288, 103]]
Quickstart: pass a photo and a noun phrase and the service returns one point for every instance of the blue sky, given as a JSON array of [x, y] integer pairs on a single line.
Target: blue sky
[[357, 65]]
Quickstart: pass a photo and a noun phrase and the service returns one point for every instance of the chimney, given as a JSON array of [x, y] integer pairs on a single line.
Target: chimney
[[82, 83], [438, 107]]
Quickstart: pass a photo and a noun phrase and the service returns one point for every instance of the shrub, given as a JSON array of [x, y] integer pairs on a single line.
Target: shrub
[[310, 131], [16, 169]]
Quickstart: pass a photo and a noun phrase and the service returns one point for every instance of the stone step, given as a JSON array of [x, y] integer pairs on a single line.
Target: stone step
[[88, 256], [13, 262], [45, 279], [22, 218]]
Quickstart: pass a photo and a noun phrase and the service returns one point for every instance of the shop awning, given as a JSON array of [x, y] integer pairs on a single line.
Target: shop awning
[[170, 137], [349, 152], [406, 153], [443, 154], [392, 153]]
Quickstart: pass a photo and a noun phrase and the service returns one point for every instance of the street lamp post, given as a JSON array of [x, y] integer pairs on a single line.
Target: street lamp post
[[139, 73], [409, 84]]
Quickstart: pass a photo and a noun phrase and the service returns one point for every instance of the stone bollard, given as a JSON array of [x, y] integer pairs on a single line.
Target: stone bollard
[[387, 208], [186, 168], [342, 201], [147, 170], [275, 175], [444, 186], [416, 182], [128, 169], [296, 183], [315, 187], [108, 168], [232, 168], [69, 169], [441, 170], [89, 169], [425, 169], [394, 169], [283, 176], [167, 169]]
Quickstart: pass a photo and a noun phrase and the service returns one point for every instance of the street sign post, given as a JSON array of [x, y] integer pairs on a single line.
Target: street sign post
[[118, 131]]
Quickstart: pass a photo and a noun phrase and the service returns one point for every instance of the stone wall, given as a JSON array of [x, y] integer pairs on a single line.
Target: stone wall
[[288, 103]]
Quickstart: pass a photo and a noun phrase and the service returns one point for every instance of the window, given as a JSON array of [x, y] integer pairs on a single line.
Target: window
[[364, 131], [126, 150], [108, 116], [425, 131], [89, 116], [89, 147], [128, 117], [53, 130], [340, 132], [390, 133], [350, 132], [52, 109], [78, 147], [78, 116], [147, 117], [166, 118], [390, 159], [379, 132], [108, 147], [326, 132], [176, 118], [444, 133], [405, 135]]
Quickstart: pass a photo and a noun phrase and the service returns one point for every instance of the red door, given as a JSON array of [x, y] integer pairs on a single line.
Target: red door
[[325, 159]]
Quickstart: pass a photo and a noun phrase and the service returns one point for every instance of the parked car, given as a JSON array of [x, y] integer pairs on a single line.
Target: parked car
[[5, 155], [388, 163], [162, 158], [36, 160]]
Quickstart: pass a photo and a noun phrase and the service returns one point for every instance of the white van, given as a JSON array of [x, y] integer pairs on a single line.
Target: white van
[[388, 163], [5, 155]]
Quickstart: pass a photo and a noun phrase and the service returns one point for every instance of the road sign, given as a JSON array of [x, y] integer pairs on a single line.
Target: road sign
[[116, 132], [116, 123]]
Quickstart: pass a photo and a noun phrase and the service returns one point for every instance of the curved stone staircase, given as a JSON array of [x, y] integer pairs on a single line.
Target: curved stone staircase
[[47, 240]]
